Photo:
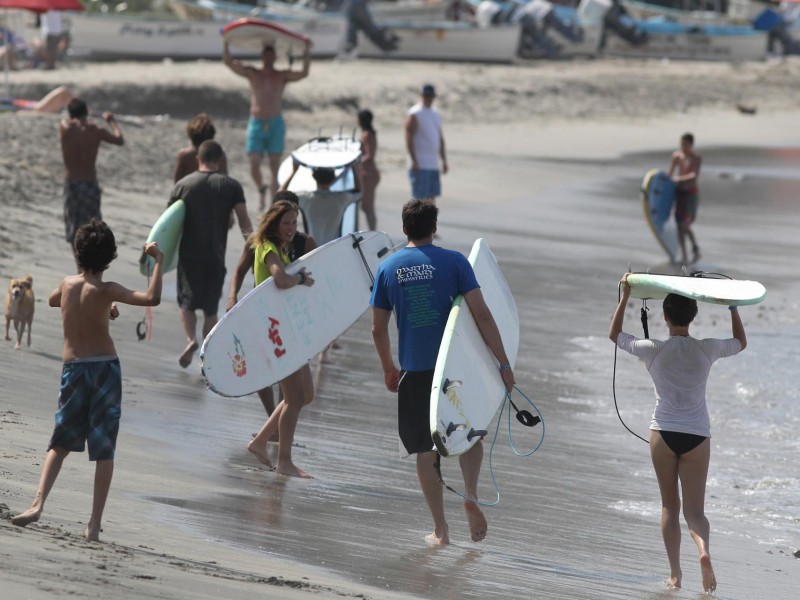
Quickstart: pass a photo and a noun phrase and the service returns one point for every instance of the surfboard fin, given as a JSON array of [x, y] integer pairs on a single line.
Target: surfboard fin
[[452, 427], [473, 433]]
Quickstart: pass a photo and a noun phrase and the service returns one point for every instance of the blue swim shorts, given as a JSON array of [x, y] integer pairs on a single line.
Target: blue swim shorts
[[89, 407], [265, 136], [425, 183]]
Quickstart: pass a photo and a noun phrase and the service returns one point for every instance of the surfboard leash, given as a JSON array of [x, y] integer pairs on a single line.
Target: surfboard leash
[[357, 245], [614, 374], [523, 416]]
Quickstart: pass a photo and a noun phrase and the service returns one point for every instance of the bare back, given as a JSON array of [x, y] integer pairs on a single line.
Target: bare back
[[85, 311], [80, 142]]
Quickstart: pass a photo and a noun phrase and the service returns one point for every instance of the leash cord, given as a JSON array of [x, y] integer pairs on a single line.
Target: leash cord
[[614, 377], [506, 404]]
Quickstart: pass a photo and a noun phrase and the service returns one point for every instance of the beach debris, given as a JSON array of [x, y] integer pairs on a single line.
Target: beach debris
[[746, 109]]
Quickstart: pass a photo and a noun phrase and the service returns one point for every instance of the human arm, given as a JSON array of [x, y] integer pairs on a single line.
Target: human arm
[[150, 297], [285, 185], [692, 175], [383, 345], [234, 65], [302, 73], [410, 130], [619, 315], [311, 244], [55, 296], [245, 226], [490, 333], [115, 135], [737, 328], [282, 279], [443, 152], [242, 268]]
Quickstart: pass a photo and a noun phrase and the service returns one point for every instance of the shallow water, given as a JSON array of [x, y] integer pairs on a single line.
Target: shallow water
[[579, 519]]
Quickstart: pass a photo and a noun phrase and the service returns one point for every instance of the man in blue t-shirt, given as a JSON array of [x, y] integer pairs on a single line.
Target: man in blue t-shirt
[[419, 284]]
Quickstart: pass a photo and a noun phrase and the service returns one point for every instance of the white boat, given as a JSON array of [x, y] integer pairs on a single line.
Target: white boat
[[117, 36], [446, 41]]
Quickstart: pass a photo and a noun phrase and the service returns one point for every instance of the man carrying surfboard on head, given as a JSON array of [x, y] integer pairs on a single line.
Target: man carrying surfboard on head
[[687, 163], [266, 129], [419, 284]]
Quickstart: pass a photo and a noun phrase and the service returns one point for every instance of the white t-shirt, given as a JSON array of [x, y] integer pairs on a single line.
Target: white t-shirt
[[51, 23], [427, 140], [679, 367]]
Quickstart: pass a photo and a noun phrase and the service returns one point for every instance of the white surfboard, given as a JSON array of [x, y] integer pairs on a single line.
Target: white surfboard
[[339, 153], [271, 333], [253, 34], [467, 388], [703, 289]]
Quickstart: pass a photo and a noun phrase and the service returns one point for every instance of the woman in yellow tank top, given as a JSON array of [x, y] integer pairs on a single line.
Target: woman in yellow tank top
[[271, 243]]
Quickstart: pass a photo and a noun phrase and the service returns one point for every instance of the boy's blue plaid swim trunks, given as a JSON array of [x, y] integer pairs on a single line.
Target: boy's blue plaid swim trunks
[[89, 407]]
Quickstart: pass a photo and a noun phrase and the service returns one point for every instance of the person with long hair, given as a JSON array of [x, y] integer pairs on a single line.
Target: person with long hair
[[680, 431], [368, 174], [271, 243], [199, 129]]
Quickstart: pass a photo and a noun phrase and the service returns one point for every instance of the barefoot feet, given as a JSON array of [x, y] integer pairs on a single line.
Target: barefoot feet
[[186, 357], [438, 537], [709, 579], [476, 520], [29, 516], [261, 455], [674, 582], [92, 534], [288, 469]]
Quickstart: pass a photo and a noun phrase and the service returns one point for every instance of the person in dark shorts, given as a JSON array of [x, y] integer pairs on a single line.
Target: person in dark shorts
[[80, 143], [680, 429], [91, 381], [419, 284], [209, 197], [687, 195], [302, 243]]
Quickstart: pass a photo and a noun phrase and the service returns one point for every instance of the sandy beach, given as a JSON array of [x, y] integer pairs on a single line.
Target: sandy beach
[[546, 162]]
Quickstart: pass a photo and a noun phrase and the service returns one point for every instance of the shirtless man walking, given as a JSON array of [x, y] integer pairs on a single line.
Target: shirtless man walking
[[687, 196], [266, 129], [80, 142]]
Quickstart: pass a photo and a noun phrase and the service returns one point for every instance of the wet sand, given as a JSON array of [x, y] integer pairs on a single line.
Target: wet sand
[[191, 514]]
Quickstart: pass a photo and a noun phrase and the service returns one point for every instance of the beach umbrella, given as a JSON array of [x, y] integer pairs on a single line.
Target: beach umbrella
[[39, 6]]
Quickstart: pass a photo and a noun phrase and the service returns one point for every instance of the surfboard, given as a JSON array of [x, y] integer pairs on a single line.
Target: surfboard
[[253, 34], [271, 333], [658, 196], [166, 232], [467, 388], [340, 153], [703, 289]]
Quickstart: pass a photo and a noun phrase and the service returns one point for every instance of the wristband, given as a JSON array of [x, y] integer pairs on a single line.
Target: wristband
[[505, 367], [732, 307]]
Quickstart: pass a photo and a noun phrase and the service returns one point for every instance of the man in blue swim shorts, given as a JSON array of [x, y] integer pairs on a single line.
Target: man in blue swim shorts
[[91, 381], [266, 129]]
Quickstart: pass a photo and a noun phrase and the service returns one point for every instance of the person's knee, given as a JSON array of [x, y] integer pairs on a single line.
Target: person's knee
[[693, 514], [671, 507]]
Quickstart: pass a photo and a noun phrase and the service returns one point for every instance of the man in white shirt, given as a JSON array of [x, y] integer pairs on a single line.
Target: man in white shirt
[[425, 146], [52, 33]]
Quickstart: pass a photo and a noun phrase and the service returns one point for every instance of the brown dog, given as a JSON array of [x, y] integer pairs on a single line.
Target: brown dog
[[19, 308]]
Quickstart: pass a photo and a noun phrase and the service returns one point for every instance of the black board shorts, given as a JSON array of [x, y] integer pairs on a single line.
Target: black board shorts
[[413, 411]]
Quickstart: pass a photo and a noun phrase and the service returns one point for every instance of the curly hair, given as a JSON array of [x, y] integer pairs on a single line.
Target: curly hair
[[200, 129], [94, 246]]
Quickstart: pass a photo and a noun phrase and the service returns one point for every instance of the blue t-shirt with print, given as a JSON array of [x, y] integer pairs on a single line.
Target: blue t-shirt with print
[[419, 284]]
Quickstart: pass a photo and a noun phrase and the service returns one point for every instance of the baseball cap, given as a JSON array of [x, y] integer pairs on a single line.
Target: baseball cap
[[428, 90]]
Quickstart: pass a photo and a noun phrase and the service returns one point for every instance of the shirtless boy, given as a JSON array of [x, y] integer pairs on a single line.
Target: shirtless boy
[[687, 163], [91, 382], [80, 142], [266, 129]]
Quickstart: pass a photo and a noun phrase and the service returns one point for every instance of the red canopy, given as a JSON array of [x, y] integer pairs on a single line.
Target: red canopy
[[41, 6]]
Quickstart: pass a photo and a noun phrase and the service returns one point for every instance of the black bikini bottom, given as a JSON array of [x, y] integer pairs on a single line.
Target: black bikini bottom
[[681, 443]]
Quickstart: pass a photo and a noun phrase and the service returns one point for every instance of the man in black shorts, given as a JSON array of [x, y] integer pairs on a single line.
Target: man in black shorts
[[209, 197], [419, 284]]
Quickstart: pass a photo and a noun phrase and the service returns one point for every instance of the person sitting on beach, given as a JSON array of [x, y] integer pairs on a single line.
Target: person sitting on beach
[[91, 382], [53, 102], [323, 208], [680, 431], [421, 303], [687, 196], [271, 243], [266, 128], [198, 129], [302, 243], [368, 174], [209, 197], [80, 143]]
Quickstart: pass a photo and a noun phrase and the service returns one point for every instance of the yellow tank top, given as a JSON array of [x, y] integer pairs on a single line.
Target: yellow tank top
[[260, 269]]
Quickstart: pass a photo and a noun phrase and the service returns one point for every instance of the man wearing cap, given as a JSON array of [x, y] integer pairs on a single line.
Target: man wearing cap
[[425, 145]]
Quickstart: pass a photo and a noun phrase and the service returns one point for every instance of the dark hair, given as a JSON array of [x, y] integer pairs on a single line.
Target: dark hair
[[324, 175], [94, 246], [285, 195], [200, 129], [210, 152], [688, 137], [680, 310], [419, 219], [365, 120], [267, 230], [77, 109]]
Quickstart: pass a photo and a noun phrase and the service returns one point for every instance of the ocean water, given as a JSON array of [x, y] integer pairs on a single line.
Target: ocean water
[[580, 518]]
